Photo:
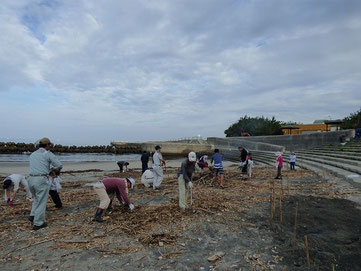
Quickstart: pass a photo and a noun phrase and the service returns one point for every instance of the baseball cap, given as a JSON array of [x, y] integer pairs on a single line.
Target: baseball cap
[[192, 157]]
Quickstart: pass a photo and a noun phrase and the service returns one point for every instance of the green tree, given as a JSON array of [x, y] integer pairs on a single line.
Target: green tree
[[257, 126], [353, 121]]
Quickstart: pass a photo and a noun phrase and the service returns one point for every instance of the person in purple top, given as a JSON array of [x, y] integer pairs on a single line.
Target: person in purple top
[[218, 167], [107, 188]]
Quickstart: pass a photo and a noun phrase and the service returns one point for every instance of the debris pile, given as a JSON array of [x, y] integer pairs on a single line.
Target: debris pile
[[158, 223]]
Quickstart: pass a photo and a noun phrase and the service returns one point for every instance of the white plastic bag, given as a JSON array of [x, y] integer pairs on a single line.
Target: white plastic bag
[[55, 184]]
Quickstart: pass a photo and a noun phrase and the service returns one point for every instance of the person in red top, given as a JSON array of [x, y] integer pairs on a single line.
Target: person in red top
[[107, 188], [279, 165]]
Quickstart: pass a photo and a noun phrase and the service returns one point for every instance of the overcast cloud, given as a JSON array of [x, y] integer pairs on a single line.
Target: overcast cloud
[[89, 72]]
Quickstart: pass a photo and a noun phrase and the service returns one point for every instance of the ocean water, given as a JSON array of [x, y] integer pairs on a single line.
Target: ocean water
[[75, 157]]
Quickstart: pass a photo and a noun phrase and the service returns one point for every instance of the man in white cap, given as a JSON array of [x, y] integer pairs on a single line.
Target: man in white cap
[[107, 188], [158, 162], [14, 181], [41, 161], [185, 179]]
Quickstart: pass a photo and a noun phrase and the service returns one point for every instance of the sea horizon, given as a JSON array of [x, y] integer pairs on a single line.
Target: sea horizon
[[74, 157]]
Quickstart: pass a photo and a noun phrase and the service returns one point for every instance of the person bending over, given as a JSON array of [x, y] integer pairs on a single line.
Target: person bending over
[[107, 188]]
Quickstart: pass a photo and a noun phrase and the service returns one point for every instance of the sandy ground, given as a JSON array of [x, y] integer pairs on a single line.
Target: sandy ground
[[251, 224]]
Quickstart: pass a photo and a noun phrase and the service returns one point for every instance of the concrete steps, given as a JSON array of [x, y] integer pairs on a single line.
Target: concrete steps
[[333, 159], [346, 155], [339, 150]]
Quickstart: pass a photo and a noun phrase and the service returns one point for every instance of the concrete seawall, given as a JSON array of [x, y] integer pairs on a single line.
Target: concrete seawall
[[229, 145], [297, 142], [233, 144], [180, 149]]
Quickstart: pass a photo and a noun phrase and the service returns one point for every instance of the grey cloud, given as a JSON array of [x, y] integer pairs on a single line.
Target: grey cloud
[[164, 62]]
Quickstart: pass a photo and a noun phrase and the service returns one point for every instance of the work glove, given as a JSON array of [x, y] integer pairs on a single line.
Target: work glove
[[54, 172], [10, 203], [190, 185], [131, 207]]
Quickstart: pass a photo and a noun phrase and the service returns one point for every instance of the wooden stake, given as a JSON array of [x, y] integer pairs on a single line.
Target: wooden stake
[[295, 228], [281, 215], [273, 198], [271, 207], [333, 267], [281, 189], [288, 188], [307, 252]]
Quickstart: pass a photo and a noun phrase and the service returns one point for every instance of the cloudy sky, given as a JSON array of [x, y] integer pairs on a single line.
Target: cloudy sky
[[90, 72]]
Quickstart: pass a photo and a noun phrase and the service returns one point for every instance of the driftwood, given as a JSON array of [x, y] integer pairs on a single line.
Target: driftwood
[[30, 245], [159, 221]]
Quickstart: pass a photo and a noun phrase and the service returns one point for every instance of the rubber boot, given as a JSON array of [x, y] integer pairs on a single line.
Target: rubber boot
[[110, 208], [98, 215]]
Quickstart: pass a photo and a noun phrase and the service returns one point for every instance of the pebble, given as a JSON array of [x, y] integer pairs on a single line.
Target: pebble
[[216, 256]]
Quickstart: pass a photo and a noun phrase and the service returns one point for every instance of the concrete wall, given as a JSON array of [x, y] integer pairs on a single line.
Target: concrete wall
[[297, 142], [171, 148], [231, 143], [229, 146]]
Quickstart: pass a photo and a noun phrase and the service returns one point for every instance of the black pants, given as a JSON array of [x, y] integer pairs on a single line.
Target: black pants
[[56, 198], [244, 168], [279, 173], [292, 164], [144, 167]]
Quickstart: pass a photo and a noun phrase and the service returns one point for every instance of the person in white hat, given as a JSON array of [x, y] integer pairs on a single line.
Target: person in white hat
[[185, 179], [107, 188]]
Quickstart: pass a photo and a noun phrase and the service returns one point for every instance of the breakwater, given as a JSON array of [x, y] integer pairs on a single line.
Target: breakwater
[[21, 148]]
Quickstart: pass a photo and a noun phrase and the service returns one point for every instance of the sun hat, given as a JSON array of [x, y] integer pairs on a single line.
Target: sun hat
[[132, 182], [45, 141]]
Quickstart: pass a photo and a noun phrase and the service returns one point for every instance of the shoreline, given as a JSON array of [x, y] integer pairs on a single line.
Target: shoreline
[[7, 168]]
